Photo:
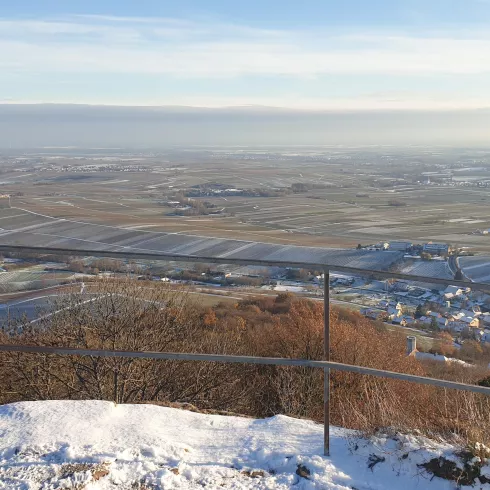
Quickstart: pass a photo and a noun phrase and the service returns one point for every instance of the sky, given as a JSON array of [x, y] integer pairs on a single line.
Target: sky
[[342, 55]]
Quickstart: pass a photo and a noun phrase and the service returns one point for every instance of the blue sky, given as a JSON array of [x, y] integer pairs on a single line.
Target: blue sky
[[310, 54]]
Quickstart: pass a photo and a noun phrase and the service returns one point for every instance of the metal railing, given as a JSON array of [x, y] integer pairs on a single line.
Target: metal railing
[[325, 364]]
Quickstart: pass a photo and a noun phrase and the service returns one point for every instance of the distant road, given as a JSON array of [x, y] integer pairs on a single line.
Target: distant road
[[452, 263]]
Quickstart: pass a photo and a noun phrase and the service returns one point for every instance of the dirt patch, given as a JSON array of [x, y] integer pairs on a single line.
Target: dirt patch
[[254, 474], [303, 471], [72, 471], [444, 468], [374, 459]]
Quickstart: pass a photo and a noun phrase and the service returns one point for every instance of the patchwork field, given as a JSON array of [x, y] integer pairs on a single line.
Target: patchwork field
[[314, 197], [63, 233], [476, 268]]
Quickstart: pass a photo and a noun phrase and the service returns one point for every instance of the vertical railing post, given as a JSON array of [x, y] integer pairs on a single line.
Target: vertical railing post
[[326, 355]]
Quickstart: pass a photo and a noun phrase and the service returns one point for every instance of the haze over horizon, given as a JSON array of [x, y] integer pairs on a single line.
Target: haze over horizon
[[28, 126], [402, 72]]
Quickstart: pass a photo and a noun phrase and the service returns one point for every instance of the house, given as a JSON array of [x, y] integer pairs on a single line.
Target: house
[[395, 312], [454, 291], [473, 322], [468, 318], [436, 248], [442, 322], [476, 309], [344, 281], [400, 246], [369, 313], [399, 286], [456, 326], [399, 321], [403, 321], [485, 319], [457, 316]]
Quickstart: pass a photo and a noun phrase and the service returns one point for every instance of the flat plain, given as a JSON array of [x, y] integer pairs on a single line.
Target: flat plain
[[243, 201]]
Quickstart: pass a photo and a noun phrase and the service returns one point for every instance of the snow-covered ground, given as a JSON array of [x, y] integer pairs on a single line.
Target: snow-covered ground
[[286, 287], [289, 288], [98, 445], [427, 356]]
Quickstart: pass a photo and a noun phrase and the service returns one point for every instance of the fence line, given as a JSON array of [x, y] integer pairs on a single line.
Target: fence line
[[169, 257], [274, 361]]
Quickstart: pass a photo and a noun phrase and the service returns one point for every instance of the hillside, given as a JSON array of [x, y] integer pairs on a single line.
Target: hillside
[[100, 445]]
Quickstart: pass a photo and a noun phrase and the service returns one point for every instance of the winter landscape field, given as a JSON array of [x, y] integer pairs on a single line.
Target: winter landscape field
[[245, 245]]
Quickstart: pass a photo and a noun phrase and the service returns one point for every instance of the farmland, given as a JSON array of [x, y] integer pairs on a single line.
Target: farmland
[[31, 278], [64, 233], [221, 201], [476, 268]]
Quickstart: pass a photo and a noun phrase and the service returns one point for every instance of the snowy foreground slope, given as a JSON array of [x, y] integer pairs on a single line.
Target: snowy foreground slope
[[98, 445]]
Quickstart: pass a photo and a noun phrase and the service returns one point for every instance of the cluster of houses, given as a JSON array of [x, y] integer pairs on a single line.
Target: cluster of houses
[[456, 310], [409, 247], [440, 249], [485, 232]]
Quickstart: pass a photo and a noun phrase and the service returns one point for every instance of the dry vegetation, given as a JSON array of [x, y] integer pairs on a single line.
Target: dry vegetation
[[143, 316]]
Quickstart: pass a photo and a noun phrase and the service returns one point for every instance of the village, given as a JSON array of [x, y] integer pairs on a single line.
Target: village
[[463, 313]]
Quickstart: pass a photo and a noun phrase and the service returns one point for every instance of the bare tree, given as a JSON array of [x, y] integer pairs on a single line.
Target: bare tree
[[117, 315]]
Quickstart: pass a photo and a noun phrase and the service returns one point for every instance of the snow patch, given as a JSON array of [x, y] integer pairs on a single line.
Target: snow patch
[[100, 445]]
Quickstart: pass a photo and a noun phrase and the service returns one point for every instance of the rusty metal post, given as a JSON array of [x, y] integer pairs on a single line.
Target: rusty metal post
[[326, 357]]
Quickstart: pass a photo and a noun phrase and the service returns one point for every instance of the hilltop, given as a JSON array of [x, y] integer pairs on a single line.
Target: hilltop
[[101, 445]]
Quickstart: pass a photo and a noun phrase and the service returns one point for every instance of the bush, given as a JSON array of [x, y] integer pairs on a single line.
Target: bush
[[396, 203], [132, 316]]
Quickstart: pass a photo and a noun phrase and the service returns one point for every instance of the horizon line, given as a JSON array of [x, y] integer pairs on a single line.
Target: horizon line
[[248, 106]]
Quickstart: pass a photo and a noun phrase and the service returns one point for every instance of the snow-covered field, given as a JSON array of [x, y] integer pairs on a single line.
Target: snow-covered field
[[98, 445], [286, 287], [289, 288]]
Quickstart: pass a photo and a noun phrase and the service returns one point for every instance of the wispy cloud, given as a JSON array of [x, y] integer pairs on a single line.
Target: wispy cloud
[[175, 49], [192, 49]]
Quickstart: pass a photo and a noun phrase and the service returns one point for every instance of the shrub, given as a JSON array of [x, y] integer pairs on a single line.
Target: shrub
[[132, 316]]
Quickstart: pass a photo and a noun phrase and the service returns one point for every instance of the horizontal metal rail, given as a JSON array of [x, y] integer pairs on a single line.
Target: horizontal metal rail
[[237, 261], [274, 361]]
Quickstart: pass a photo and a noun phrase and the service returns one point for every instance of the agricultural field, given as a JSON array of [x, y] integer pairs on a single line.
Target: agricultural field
[[476, 268], [66, 233], [228, 200], [31, 278], [432, 268]]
